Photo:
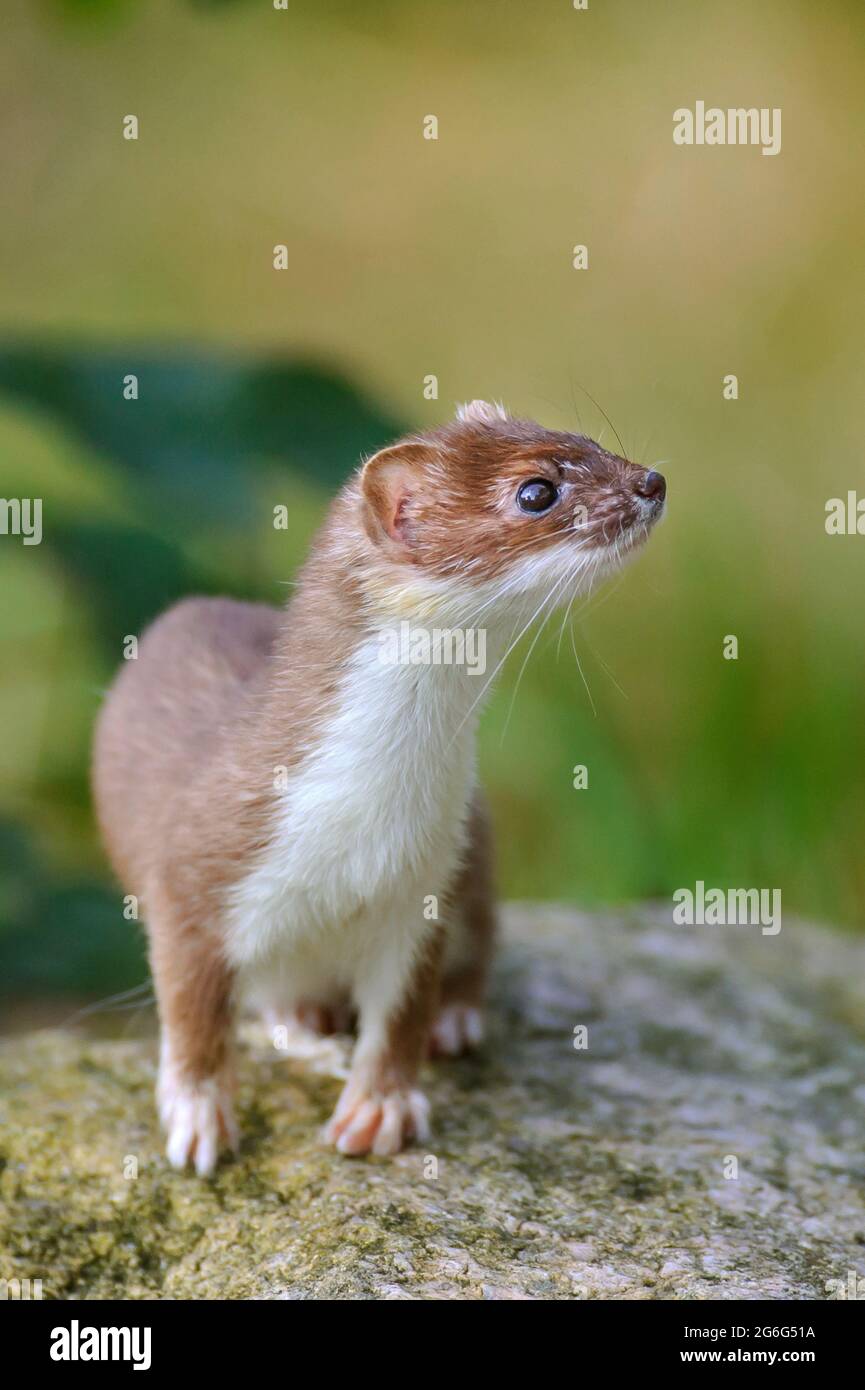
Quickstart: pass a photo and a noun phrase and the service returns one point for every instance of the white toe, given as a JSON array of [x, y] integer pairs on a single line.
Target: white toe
[[457, 1028], [196, 1116]]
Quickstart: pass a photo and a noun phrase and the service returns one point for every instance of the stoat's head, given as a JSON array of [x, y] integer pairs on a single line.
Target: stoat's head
[[502, 503]]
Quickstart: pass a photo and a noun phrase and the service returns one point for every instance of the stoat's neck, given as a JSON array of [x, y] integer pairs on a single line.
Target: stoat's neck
[[378, 755], [373, 655]]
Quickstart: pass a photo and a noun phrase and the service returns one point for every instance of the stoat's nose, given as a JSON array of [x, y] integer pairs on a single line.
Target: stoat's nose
[[652, 486]]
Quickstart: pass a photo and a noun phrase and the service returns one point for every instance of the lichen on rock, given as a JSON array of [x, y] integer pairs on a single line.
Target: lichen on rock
[[707, 1142]]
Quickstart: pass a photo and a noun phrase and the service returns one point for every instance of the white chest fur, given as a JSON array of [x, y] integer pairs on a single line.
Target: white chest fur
[[370, 824]]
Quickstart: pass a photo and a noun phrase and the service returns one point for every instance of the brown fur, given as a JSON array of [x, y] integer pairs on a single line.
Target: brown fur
[[450, 517], [223, 693]]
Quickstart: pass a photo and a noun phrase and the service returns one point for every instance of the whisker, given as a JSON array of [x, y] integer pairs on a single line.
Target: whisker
[[116, 1002], [574, 399], [571, 574], [511, 549], [501, 663], [606, 417], [582, 674], [603, 663], [598, 602], [567, 615]]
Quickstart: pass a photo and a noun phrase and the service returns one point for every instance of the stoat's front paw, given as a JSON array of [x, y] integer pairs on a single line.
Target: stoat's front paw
[[457, 1029], [198, 1118], [366, 1122]]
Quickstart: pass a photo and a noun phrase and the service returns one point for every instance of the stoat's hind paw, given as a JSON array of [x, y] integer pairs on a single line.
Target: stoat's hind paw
[[457, 1029], [322, 1019], [198, 1118], [378, 1124]]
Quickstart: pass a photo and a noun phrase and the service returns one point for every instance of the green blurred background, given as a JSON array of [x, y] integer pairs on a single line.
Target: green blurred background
[[410, 257]]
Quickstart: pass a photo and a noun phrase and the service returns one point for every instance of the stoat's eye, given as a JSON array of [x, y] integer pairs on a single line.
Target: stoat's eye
[[536, 495]]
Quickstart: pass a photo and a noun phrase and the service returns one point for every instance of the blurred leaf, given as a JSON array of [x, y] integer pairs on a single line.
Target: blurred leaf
[[63, 937], [92, 11], [18, 875], [76, 941], [127, 575], [200, 424]]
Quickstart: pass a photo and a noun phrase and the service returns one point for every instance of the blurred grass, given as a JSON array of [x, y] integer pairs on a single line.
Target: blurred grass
[[409, 257]]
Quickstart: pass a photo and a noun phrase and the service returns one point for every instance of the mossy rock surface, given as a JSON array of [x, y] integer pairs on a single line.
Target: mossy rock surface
[[559, 1172]]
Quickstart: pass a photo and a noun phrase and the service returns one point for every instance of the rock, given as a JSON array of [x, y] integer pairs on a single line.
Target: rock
[[554, 1173]]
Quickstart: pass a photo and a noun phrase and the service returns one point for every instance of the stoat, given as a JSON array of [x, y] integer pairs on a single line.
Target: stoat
[[297, 808]]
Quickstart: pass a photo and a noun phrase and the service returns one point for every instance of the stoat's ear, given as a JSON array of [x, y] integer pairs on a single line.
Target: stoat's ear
[[481, 413], [389, 481]]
